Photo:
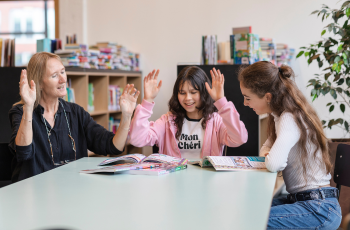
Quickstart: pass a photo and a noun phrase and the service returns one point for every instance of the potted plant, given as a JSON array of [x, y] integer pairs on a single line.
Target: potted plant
[[333, 57]]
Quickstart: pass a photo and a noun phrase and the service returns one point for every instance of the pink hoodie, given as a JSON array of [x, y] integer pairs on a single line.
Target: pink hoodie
[[224, 128]]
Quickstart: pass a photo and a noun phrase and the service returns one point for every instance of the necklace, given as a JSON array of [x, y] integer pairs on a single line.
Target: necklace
[[70, 136], [54, 119]]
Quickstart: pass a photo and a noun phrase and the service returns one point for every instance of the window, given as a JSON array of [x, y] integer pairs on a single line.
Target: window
[[26, 21]]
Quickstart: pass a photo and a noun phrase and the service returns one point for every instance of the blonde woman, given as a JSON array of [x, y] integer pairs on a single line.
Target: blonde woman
[[47, 131]]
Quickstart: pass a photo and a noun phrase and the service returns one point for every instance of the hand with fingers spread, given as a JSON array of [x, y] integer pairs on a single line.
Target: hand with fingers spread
[[217, 90], [128, 99], [28, 93], [151, 88]]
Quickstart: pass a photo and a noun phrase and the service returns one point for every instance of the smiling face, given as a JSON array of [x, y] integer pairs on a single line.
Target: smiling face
[[259, 105], [53, 84], [190, 100]]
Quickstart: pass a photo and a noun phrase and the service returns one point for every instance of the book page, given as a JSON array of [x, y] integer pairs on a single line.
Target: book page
[[222, 161], [165, 159], [135, 158]]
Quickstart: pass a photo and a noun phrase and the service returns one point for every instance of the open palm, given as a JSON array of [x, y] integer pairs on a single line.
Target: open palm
[[151, 88], [128, 100], [28, 93], [217, 90]]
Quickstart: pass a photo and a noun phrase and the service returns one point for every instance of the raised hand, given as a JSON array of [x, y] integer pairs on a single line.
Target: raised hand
[[28, 94], [128, 99], [151, 88], [217, 90]]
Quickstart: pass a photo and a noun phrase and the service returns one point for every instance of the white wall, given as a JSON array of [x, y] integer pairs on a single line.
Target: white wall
[[167, 32]]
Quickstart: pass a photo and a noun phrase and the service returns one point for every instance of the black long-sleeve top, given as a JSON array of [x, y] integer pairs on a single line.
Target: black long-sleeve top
[[36, 157]]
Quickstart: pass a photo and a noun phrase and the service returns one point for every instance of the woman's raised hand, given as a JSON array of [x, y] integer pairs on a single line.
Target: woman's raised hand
[[28, 94], [217, 82], [128, 99], [151, 88]]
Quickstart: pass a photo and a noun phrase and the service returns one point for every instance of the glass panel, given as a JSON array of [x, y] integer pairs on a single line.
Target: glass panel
[[26, 16]]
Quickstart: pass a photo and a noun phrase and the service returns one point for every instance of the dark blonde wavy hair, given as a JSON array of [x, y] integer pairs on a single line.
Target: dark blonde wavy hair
[[264, 77]]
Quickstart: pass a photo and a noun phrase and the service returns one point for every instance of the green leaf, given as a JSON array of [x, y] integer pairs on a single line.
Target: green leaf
[[320, 64], [314, 57], [331, 108], [342, 107], [341, 81], [345, 58], [347, 81], [333, 93], [326, 90], [346, 124], [316, 11], [334, 66], [338, 121], [340, 47], [330, 123], [344, 5], [337, 59], [326, 76], [339, 90], [329, 104], [347, 12], [336, 77], [323, 32], [306, 54], [314, 97], [300, 53]]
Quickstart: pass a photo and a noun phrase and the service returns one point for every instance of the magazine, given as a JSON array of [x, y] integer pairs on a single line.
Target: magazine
[[140, 158], [233, 163], [162, 170], [122, 167]]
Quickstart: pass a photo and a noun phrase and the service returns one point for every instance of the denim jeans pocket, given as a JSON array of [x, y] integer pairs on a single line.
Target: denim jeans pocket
[[332, 222]]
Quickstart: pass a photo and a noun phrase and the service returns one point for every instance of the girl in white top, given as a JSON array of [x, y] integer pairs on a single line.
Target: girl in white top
[[297, 146]]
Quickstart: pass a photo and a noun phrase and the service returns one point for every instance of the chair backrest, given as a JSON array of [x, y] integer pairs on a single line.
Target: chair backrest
[[5, 162], [342, 166]]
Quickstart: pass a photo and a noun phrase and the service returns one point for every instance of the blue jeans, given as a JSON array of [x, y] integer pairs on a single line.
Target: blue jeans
[[310, 214]]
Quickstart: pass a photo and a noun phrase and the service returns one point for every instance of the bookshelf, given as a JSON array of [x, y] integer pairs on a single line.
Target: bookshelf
[[101, 79]]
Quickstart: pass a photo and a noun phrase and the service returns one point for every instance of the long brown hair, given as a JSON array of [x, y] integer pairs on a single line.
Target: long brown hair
[[197, 78], [36, 71], [264, 77]]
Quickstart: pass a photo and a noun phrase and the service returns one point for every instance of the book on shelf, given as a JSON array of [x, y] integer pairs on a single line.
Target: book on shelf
[[232, 163], [122, 168], [157, 171], [114, 95], [113, 124], [140, 158], [48, 45], [247, 48], [91, 106], [209, 54], [268, 50], [242, 30]]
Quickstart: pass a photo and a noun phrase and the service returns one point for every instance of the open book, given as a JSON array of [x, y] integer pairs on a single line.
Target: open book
[[233, 163], [140, 158], [122, 168]]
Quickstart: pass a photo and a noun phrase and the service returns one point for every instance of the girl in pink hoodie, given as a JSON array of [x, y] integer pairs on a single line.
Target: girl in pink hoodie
[[200, 121]]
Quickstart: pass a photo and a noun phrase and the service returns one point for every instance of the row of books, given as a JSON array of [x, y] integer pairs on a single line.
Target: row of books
[[113, 97], [70, 96], [244, 47], [7, 52], [102, 55], [113, 124], [48, 45]]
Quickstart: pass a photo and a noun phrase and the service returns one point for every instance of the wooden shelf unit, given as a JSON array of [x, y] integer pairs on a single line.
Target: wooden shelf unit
[[80, 78]]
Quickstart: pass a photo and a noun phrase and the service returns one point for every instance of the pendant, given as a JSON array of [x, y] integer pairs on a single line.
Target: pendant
[[49, 133]]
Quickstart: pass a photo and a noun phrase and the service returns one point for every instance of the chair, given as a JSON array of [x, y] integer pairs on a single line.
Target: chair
[[5, 165], [342, 166]]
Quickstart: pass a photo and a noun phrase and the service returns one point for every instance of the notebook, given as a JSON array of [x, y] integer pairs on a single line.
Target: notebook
[[122, 168]]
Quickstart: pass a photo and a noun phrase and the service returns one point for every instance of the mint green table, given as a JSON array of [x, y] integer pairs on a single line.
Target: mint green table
[[195, 198]]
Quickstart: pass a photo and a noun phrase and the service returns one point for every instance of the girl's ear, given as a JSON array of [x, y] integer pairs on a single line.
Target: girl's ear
[[268, 97]]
